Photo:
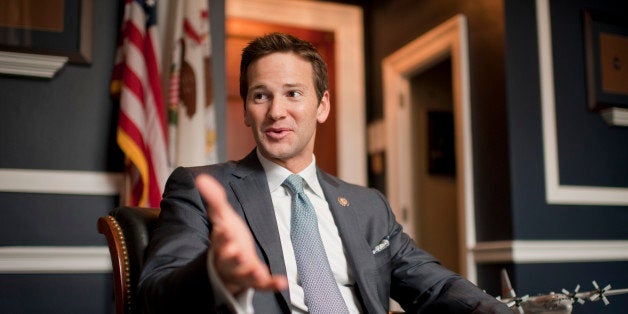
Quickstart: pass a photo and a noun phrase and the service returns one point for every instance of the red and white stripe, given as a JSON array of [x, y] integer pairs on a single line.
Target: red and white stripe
[[142, 125]]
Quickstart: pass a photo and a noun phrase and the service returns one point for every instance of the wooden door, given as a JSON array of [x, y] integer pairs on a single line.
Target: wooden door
[[239, 32]]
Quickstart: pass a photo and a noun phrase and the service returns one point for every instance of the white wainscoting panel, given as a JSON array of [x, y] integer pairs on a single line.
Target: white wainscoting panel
[[60, 182]]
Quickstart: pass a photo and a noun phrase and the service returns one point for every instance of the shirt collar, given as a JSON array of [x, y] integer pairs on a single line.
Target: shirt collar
[[276, 174]]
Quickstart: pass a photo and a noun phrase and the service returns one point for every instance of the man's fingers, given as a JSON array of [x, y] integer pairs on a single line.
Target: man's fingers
[[279, 282], [235, 257], [249, 273], [260, 278], [263, 280], [215, 196], [272, 283]]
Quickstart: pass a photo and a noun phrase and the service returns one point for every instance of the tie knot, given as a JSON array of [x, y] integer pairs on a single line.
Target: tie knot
[[294, 183]]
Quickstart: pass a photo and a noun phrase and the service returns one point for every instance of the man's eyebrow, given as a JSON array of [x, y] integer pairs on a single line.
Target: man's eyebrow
[[260, 86], [284, 86], [292, 85]]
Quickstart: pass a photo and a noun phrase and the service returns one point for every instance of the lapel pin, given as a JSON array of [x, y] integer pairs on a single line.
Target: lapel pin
[[343, 201]]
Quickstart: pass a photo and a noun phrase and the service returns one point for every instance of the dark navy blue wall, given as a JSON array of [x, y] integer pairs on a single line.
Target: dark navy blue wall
[[507, 133], [64, 123], [52, 219], [67, 123], [56, 293], [590, 152]]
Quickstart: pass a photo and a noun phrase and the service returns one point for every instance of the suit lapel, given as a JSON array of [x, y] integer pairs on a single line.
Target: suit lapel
[[353, 239], [251, 191]]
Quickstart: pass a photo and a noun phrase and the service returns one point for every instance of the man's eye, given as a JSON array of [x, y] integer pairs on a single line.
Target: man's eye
[[294, 93], [260, 96]]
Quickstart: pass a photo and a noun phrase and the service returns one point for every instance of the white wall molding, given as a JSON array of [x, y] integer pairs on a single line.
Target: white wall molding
[[524, 251], [345, 21], [29, 64], [615, 116], [60, 182], [556, 193], [54, 259], [95, 259]]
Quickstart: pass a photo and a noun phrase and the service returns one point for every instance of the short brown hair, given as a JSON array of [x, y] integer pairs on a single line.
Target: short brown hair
[[280, 42]]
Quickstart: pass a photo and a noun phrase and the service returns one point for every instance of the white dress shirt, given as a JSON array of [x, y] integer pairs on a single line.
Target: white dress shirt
[[281, 199]]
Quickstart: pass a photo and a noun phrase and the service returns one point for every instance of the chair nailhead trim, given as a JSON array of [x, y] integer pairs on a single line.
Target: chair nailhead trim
[[125, 256]]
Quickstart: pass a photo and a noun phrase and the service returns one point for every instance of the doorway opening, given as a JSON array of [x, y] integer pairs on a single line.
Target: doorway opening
[[433, 154], [427, 111]]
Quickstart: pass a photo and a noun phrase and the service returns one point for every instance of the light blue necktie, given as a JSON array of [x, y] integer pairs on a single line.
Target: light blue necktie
[[319, 285]]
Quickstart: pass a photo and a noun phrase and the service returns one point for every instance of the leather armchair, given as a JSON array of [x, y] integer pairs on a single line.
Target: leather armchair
[[127, 230]]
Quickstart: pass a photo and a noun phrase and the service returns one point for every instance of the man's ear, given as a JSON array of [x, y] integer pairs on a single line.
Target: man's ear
[[322, 112]]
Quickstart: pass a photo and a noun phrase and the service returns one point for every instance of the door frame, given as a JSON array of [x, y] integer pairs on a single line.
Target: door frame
[[345, 21], [450, 39]]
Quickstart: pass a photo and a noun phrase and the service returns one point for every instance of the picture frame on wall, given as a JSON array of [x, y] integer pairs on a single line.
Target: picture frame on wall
[[52, 27], [606, 53]]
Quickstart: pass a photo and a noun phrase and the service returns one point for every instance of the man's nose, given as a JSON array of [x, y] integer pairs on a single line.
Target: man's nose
[[277, 109]]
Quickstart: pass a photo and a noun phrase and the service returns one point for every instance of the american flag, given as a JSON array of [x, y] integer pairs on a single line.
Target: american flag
[[136, 81]]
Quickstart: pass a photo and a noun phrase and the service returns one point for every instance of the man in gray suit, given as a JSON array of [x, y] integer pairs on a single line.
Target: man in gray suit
[[227, 241]]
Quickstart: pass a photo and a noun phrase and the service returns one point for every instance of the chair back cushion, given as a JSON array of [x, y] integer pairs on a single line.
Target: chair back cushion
[[127, 230], [136, 224]]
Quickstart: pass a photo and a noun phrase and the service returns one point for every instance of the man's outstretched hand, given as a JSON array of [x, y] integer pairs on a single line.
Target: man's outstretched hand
[[235, 258]]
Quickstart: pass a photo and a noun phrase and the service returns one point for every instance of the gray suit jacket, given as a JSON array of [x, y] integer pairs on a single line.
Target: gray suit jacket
[[175, 278]]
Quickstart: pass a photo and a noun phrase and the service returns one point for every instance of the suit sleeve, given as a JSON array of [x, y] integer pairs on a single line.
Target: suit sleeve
[[174, 278], [420, 284]]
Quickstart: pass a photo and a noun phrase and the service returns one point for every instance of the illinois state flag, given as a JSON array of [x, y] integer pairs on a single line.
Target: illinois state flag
[[141, 132], [191, 115]]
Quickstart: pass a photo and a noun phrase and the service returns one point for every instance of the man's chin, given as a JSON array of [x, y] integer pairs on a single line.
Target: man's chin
[[277, 157], [274, 153]]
